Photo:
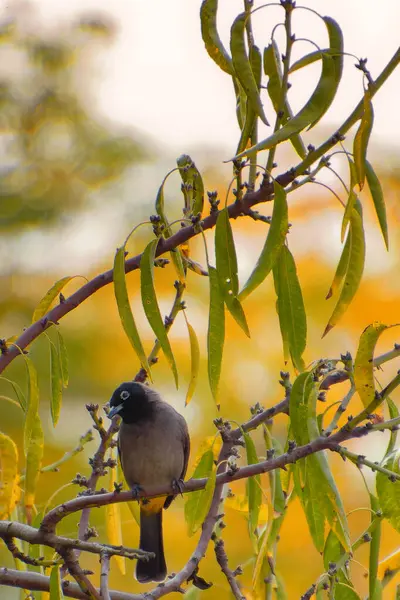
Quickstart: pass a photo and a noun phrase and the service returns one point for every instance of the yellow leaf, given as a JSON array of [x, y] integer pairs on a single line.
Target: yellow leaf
[[113, 519], [9, 488], [390, 563], [34, 456]]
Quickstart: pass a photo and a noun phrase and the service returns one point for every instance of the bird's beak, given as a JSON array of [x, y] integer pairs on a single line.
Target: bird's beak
[[115, 410]]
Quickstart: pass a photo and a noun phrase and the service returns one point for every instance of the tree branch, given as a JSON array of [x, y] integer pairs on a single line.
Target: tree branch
[[230, 575], [105, 570]]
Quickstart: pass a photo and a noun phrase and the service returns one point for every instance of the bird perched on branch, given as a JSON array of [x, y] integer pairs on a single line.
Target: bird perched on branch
[[153, 445]]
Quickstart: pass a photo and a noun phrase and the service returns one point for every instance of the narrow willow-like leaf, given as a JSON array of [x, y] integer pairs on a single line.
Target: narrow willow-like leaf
[[56, 384], [18, 392], [198, 503], [311, 58], [273, 69], [378, 200], [216, 332], [333, 552], [389, 491], [250, 122], [342, 267], [355, 268], [253, 486], [241, 102], [320, 100], [273, 243], [176, 255], [361, 139], [211, 39], [34, 458], [194, 362], [150, 304], [364, 365], [351, 201], [227, 269], [393, 412], [33, 402], [242, 67], [343, 591], [125, 311], [191, 177], [56, 592], [62, 352], [46, 301], [389, 564], [9, 489], [290, 306], [374, 549], [113, 519]]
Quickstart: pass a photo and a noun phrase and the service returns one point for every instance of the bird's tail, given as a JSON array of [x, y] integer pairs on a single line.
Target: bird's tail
[[151, 540]]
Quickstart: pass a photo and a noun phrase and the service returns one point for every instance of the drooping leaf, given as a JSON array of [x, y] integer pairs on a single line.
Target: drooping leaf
[[33, 402], [311, 58], [320, 100], [198, 503], [250, 121], [393, 412], [352, 199], [355, 267], [18, 392], [361, 139], [378, 200], [227, 269], [9, 488], [62, 352], [194, 361], [342, 267], [388, 491], [274, 241], [273, 69], [56, 592], [290, 306], [176, 255], [150, 304], [216, 332], [253, 486], [191, 178], [48, 298], [56, 384], [333, 552], [242, 66], [374, 549], [113, 518], [125, 311], [34, 456], [364, 365], [211, 39]]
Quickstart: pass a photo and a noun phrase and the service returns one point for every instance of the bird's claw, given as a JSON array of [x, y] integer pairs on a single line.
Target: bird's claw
[[136, 490], [178, 486]]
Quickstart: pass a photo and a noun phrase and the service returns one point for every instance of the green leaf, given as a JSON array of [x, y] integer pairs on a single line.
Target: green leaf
[[33, 402], [273, 243], [175, 254], [343, 591], [253, 486], [355, 267], [194, 361], [364, 365], [393, 412], [125, 311], [378, 200], [191, 178], [227, 269], [216, 332], [351, 201], [9, 478], [320, 100], [250, 122], [361, 138], [56, 592], [290, 306], [333, 552], [34, 456], [374, 547], [56, 384], [342, 267], [311, 58], [211, 39], [46, 301], [388, 491], [273, 69], [242, 66], [62, 352], [150, 304], [18, 392], [198, 503]]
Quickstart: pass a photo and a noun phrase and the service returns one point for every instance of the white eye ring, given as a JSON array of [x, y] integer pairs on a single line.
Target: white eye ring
[[124, 395]]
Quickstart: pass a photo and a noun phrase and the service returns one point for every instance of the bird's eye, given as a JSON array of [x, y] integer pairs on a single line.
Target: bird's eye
[[124, 395]]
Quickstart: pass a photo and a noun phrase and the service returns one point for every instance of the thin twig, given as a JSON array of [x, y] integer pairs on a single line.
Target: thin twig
[[77, 573], [105, 570], [222, 559]]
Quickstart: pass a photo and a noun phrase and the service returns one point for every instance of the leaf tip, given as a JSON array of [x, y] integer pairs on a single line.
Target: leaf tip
[[327, 330]]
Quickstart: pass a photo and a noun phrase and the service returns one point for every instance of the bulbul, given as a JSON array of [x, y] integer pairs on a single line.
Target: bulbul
[[153, 446]]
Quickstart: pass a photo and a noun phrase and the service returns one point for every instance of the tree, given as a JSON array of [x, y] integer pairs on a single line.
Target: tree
[[297, 465]]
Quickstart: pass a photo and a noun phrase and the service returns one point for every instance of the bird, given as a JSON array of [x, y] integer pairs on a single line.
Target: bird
[[153, 447]]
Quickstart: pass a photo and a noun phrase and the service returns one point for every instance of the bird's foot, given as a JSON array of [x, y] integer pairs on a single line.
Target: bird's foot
[[178, 486], [136, 491]]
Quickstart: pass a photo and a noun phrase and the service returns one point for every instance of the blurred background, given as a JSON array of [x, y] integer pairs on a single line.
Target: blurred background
[[96, 102]]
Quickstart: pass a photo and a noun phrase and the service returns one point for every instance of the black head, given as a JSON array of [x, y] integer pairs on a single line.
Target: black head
[[132, 401]]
